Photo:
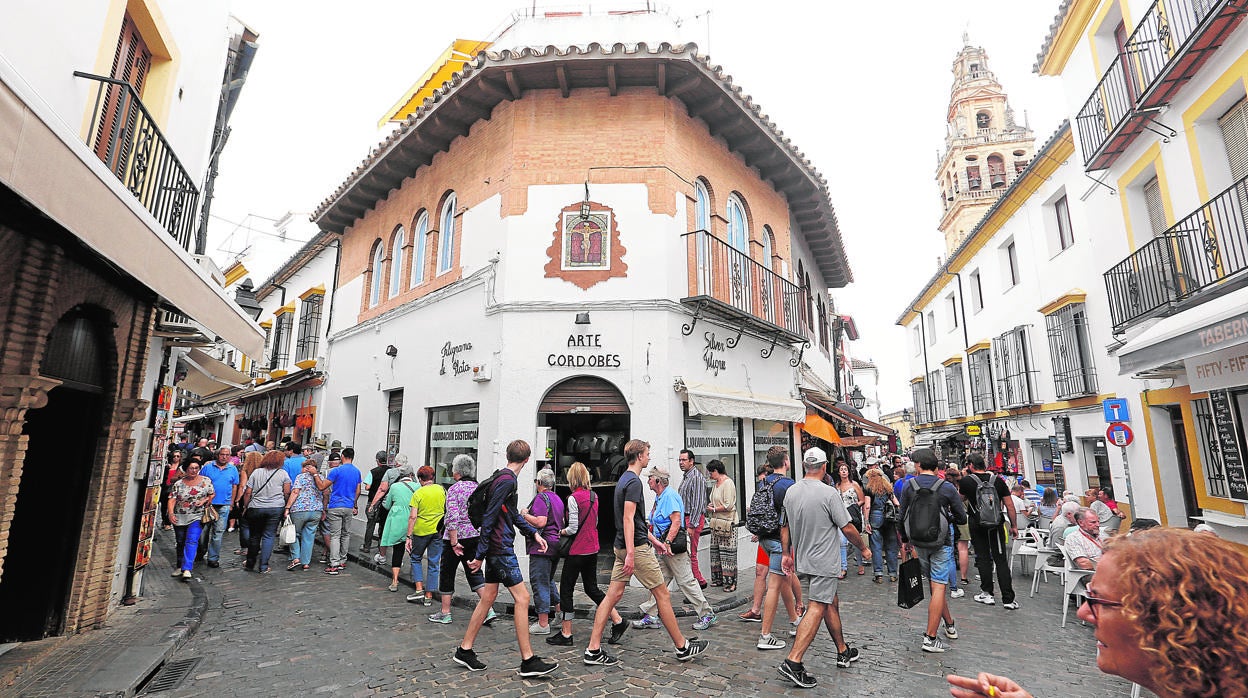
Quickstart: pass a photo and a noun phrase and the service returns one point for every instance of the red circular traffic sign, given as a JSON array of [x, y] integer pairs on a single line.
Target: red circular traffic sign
[[1119, 434]]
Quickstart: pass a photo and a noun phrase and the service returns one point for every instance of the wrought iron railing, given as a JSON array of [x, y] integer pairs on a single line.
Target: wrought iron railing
[[126, 138], [1105, 110], [731, 277], [1202, 250]]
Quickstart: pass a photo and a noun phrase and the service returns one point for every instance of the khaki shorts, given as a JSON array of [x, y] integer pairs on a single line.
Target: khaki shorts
[[818, 589], [645, 567]]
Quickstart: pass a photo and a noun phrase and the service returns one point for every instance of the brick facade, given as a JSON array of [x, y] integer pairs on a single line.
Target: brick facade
[[44, 283]]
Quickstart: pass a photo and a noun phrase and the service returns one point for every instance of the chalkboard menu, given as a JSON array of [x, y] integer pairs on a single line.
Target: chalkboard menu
[[1228, 443], [1055, 449], [1059, 476]]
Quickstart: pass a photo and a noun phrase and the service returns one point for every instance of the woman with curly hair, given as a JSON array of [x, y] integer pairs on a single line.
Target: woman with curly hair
[[884, 542], [1168, 606]]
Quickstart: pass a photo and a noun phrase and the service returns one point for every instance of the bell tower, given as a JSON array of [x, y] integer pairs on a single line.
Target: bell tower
[[985, 149]]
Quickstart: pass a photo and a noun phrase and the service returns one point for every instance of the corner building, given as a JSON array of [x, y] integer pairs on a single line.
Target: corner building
[[578, 247]]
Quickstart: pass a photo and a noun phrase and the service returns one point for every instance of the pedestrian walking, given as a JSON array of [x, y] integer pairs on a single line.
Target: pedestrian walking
[[497, 551], [765, 518], [722, 518], [666, 517], [929, 508], [634, 558], [303, 507], [264, 499], [398, 507], [251, 463], [424, 534], [985, 493], [845, 479], [814, 524], [545, 513], [343, 484], [582, 557], [189, 496], [173, 472], [226, 485], [376, 514], [693, 494], [389, 478], [459, 539], [885, 510]]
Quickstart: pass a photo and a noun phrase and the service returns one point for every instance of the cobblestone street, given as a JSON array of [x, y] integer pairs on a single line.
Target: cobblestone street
[[305, 633]]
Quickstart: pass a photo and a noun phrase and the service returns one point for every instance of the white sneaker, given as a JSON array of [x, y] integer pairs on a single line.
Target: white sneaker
[[770, 642], [538, 629], [957, 593], [1011, 606], [985, 598]]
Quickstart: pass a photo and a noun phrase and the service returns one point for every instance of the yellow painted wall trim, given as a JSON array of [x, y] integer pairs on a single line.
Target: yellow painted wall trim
[[1238, 72], [1152, 454], [288, 308], [1067, 36], [951, 361], [278, 373], [318, 290], [916, 380], [267, 324], [1183, 396], [1071, 297], [1151, 156], [1089, 401], [978, 346], [234, 273], [306, 364]]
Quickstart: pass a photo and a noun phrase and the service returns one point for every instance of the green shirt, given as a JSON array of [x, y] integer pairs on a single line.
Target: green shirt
[[430, 504]]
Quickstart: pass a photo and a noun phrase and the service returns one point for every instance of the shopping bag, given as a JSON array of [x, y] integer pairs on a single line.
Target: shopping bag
[[910, 583], [287, 532]]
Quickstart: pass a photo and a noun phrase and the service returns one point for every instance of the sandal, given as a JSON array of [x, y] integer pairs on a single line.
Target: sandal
[[878, 579], [291, 567], [393, 587], [861, 570], [730, 587], [305, 567]]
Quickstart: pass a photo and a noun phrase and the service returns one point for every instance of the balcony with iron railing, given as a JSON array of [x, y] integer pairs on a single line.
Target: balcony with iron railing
[[1172, 41], [1203, 254], [128, 141], [729, 284]]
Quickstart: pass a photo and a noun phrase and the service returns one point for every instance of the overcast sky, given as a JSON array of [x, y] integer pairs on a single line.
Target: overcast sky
[[860, 88]]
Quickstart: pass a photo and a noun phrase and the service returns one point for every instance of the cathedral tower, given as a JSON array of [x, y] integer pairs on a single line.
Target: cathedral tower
[[984, 148]]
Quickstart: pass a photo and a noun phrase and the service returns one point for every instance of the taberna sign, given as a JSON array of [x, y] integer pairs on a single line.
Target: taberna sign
[[583, 351]]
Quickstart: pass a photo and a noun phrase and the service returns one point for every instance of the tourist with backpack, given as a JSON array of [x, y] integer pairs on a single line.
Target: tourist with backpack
[[985, 494], [764, 520], [930, 507], [493, 511]]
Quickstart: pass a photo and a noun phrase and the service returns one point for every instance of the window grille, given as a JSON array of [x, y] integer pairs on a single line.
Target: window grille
[[257, 367], [1210, 456], [919, 394], [955, 391], [935, 396], [1013, 368], [1070, 347], [981, 381], [309, 328], [281, 341]]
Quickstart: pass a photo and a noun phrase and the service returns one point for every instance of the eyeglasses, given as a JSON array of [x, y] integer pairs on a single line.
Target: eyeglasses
[[1095, 603]]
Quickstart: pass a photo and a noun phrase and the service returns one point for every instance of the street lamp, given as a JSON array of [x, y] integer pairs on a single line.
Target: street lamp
[[857, 399], [905, 414], [245, 297]]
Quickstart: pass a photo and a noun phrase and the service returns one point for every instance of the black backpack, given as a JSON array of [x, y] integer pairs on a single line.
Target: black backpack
[[988, 502], [480, 499], [763, 518], [927, 525]]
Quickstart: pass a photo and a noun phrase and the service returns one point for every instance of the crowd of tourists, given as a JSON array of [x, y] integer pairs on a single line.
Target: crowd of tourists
[[1166, 603]]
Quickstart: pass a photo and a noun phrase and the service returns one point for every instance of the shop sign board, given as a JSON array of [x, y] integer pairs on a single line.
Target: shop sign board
[[1059, 477], [583, 351], [974, 430], [1224, 368], [1055, 453], [450, 353], [1228, 444], [453, 436]]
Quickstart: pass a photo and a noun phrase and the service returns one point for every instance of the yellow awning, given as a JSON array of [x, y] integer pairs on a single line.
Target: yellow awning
[[450, 62], [818, 426]]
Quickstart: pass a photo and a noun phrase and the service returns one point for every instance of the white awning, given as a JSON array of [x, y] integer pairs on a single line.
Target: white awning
[[725, 402], [183, 419], [210, 376], [1216, 324]]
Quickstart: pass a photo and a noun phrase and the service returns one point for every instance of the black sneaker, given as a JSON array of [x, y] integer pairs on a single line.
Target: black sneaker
[[617, 632], [559, 639], [849, 656], [468, 658], [535, 666], [598, 658], [795, 672], [691, 649]]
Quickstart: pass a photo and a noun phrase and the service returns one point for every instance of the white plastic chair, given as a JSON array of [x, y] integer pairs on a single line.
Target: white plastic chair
[[1028, 548], [1043, 568], [1076, 582]]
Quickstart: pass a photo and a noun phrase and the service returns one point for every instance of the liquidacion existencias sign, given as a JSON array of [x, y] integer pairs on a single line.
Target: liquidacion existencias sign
[[589, 356]]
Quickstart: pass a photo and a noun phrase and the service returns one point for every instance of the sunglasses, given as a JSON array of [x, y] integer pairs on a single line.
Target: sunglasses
[[1095, 603]]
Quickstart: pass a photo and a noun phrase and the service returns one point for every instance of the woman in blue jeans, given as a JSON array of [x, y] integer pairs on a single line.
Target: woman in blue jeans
[[424, 534], [545, 513], [304, 507], [264, 499], [883, 532]]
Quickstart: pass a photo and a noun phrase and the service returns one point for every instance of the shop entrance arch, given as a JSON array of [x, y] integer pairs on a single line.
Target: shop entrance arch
[[588, 421], [63, 438]]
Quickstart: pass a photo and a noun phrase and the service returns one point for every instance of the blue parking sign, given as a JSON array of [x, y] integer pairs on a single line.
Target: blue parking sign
[[1116, 410]]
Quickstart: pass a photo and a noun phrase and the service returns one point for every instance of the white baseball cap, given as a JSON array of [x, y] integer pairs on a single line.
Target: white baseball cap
[[815, 455]]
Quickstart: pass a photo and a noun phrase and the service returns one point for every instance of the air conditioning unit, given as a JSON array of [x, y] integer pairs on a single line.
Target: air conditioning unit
[[481, 373]]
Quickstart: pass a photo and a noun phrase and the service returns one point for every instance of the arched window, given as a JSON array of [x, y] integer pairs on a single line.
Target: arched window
[[418, 248], [379, 273], [810, 298], [446, 235], [396, 254], [996, 171], [769, 241], [738, 231], [702, 206], [801, 285]]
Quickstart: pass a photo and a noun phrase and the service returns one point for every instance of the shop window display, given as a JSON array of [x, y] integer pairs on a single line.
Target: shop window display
[[712, 437], [452, 431]]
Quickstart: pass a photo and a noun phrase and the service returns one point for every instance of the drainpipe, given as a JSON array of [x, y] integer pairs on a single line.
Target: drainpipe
[[927, 397], [329, 313]]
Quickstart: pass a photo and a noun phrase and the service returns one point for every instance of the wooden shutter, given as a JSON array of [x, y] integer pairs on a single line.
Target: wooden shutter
[[584, 394], [1152, 201], [1234, 125], [395, 403], [131, 62]]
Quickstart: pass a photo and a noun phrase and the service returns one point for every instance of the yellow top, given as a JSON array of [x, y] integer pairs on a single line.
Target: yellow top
[[1074, 295], [288, 308], [318, 290], [450, 62]]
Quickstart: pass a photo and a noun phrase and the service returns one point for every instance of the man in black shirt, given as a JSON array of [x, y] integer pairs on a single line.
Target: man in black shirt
[[373, 528], [989, 542]]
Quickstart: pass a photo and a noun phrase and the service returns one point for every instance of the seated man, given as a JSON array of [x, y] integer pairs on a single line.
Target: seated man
[[1084, 542], [1106, 510]]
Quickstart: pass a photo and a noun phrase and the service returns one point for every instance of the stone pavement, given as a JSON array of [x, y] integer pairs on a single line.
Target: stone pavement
[[308, 633]]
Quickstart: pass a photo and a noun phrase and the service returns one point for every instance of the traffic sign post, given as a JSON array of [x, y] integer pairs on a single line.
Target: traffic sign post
[[1116, 410], [1121, 435]]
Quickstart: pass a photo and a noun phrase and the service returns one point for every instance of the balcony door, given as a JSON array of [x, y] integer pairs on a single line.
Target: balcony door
[[739, 263], [114, 134]]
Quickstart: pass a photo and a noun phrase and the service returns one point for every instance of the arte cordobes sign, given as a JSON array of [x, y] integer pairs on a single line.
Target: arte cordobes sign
[[584, 351]]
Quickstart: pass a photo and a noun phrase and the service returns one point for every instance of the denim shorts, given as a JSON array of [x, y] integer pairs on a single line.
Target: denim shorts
[[774, 553], [503, 569], [937, 563]]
